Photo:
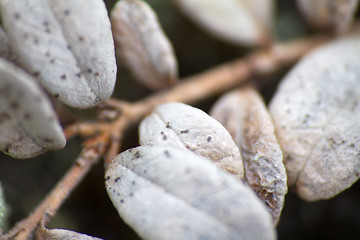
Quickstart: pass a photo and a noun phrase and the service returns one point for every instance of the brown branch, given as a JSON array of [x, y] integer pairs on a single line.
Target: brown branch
[[108, 134], [88, 157], [229, 75]]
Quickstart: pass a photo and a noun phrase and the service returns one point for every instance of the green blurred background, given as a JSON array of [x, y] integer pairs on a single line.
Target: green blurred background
[[89, 210]]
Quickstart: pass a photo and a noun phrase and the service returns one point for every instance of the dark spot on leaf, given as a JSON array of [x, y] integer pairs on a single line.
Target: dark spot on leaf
[[47, 54], [208, 139], [164, 136], [63, 77], [68, 47], [97, 74], [17, 16], [7, 148], [47, 30], [52, 61], [4, 117], [46, 23], [48, 140], [117, 179], [81, 38], [184, 131], [133, 182], [167, 154], [56, 95], [36, 73], [122, 200], [27, 116], [36, 41], [145, 171], [25, 35], [14, 105], [67, 12], [78, 75], [131, 194], [107, 178], [110, 188], [114, 191], [137, 154], [89, 70], [352, 145], [168, 125], [118, 194]]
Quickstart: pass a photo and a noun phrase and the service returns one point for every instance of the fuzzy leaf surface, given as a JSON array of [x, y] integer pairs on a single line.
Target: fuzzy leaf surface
[[240, 22], [142, 45], [62, 234], [316, 111], [66, 45], [186, 127], [245, 116], [28, 124], [169, 193]]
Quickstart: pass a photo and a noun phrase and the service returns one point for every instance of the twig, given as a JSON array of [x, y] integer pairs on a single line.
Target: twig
[[88, 157], [108, 134], [229, 75]]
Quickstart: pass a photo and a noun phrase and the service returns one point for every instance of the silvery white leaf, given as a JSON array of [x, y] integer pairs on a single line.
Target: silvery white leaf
[[245, 116], [28, 124], [142, 44], [63, 234], [169, 193], [316, 112], [3, 211], [67, 45], [240, 22], [186, 127], [333, 14]]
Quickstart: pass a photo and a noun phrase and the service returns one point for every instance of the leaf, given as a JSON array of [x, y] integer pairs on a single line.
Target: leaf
[[4, 211], [28, 124], [169, 193], [67, 46], [142, 44], [186, 127], [240, 22], [316, 112], [245, 116], [333, 14], [63, 234]]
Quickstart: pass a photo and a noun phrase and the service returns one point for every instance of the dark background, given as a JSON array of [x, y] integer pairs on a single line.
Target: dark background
[[89, 210]]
